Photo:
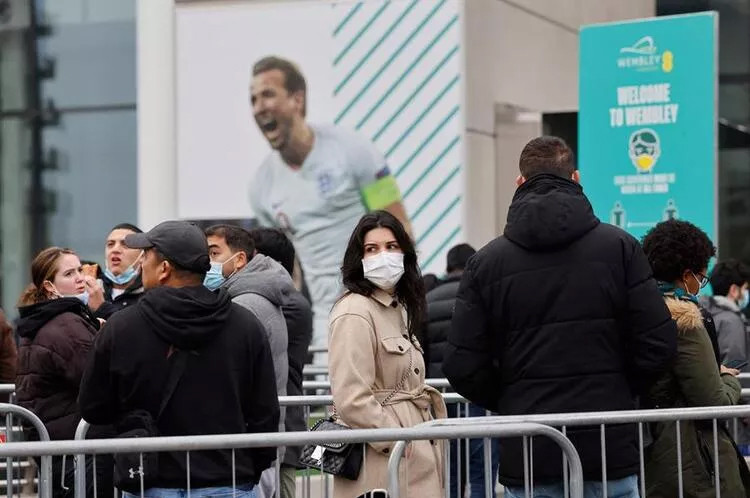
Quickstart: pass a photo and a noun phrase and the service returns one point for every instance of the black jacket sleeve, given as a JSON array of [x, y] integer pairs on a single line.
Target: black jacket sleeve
[[98, 395], [468, 362], [105, 311], [298, 316], [651, 334], [262, 403]]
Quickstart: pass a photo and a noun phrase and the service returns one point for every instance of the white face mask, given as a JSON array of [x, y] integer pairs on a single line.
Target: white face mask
[[384, 269]]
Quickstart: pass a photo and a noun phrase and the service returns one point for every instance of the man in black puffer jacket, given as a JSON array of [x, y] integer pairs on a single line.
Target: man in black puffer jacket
[[560, 314]]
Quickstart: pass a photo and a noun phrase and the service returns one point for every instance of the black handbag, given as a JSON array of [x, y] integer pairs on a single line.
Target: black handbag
[[130, 468], [342, 459], [339, 459]]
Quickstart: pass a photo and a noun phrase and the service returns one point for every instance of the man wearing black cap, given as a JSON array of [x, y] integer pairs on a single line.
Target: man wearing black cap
[[189, 360]]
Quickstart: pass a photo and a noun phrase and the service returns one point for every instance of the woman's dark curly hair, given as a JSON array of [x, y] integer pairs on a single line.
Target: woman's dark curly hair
[[409, 290], [675, 246]]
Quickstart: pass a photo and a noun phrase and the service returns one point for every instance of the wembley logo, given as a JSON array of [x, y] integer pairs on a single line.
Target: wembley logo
[[643, 56]]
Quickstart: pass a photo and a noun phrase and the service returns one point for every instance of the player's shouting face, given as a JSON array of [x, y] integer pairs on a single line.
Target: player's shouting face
[[276, 110]]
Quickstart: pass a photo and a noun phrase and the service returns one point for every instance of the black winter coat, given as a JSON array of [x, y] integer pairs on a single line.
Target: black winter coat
[[440, 302], [228, 385], [128, 298], [56, 337], [298, 317], [560, 314]]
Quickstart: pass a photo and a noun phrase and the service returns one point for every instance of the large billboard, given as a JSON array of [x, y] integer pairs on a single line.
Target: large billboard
[[648, 121], [387, 72]]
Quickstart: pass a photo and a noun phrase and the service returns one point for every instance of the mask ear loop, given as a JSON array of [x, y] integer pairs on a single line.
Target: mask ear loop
[[227, 261]]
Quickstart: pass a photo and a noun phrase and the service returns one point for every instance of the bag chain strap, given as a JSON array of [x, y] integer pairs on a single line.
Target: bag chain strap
[[400, 385]]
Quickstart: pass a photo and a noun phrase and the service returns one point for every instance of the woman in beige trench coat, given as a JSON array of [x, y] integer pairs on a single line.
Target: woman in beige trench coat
[[375, 361]]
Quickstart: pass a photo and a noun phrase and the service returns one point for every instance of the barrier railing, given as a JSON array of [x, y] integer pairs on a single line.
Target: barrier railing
[[315, 385], [601, 419], [606, 418], [306, 401], [494, 429], [188, 444], [45, 471]]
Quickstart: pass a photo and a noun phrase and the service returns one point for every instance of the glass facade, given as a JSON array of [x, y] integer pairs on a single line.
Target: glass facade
[[734, 118], [67, 130]]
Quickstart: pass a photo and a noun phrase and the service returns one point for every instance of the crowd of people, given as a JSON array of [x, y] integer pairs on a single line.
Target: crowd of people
[[184, 331]]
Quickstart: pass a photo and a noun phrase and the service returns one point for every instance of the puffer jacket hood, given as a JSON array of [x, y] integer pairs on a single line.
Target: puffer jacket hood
[[35, 316], [549, 212], [186, 317], [262, 276]]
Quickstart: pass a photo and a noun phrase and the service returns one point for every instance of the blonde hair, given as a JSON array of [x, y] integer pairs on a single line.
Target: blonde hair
[[43, 268]]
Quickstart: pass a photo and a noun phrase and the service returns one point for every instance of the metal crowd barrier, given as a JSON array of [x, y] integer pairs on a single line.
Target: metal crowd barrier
[[493, 429], [233, 442], [45, 471], [557, 420], [316, 385], [564, 421], [602, 419]]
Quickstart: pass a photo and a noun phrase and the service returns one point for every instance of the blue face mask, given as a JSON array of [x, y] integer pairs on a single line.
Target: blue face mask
[[127, 276], [215, 276], [745, 300], [83, 296]]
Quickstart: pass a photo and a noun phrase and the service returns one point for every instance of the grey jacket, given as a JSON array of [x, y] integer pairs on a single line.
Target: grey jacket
[[730, 328], [262, 287]]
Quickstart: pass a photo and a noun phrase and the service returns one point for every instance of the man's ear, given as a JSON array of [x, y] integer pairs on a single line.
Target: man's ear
[[241, 261], [576, 177], [520, 180], [164, 272]]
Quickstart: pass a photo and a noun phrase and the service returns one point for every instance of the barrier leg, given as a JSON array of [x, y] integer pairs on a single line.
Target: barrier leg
[[679, 459], [717, 476], [604, 459], [642, 459]]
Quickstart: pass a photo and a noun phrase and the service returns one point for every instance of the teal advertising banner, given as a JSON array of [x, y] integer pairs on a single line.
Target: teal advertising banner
[[647, 125]]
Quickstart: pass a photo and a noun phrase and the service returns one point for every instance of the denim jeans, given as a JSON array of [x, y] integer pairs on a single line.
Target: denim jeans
[[244, 491], [621, 488], [476, 458]]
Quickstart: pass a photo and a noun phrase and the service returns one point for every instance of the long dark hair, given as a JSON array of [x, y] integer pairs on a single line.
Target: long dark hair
[[409, 290]]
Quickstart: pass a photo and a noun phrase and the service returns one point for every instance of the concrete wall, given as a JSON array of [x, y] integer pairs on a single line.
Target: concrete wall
[[521, 56]]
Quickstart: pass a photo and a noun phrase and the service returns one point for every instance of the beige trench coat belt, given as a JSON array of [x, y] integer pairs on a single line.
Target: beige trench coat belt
[[424, 397]]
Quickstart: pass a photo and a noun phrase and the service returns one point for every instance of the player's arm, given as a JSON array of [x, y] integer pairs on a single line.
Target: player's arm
[[398, 210], [378, 186], [384, 194]]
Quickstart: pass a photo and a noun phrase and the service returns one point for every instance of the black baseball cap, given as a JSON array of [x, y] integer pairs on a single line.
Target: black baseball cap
[[180, 242]]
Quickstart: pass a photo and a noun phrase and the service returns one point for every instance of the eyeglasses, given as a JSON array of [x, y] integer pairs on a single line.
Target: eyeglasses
[[703, 281]]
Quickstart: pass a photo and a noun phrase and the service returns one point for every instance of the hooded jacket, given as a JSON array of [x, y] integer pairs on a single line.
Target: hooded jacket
[[226, 387], [560, 314], [731, 328], [693, 380], [56, 337], [262, 287], [132, 293]]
